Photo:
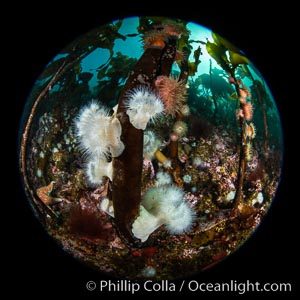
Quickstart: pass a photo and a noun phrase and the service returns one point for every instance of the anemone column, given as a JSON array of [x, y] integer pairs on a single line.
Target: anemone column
[[127, 168]]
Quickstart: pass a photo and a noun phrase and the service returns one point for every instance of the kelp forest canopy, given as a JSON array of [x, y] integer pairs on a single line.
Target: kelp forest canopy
[[208, 86]]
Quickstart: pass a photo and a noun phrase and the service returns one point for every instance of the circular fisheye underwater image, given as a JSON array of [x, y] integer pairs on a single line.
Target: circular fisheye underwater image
[[150, 148]]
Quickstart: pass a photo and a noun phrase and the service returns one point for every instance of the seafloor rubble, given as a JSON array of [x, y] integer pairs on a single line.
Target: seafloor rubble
[[208, 164]]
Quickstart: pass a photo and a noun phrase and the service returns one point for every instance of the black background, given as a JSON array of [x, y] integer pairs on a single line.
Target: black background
[[37, 266]]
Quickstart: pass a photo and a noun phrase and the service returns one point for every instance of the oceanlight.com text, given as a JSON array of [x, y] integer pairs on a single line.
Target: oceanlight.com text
[[239, 287], [232, 286]]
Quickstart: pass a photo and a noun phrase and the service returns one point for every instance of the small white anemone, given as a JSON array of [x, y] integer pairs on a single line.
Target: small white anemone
[[230, 196], [259, 199], [106, 205], [163, 178], [185, 110], [151, 144], [143, 105], [197, 161], [96, 169], [187, 178], [180, 128]]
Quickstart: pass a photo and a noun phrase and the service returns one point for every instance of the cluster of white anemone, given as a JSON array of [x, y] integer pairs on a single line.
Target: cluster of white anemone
[[98, 135]]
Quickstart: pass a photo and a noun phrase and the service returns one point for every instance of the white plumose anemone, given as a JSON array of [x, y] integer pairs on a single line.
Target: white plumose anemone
[[180, 218], [158, 199], [143, 105], [96, 169], [91, 125], [99, 136], [97, 132], [163, 205]]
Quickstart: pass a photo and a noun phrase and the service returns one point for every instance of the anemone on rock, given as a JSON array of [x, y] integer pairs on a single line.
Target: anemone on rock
[[163, 205]]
